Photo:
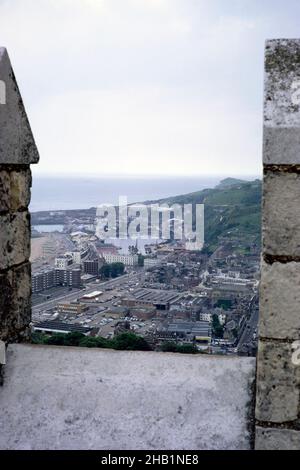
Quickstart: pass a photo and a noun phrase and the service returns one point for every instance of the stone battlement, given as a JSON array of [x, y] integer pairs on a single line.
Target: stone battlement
[[55, 397]]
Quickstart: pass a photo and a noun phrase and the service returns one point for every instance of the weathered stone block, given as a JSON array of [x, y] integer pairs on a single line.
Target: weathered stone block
[[282, 100], [281, 145], [281, 214], [17, 151], [15, 302], [278, 382], [20, 184], [14, 189], [280, 300], [14, 239], [276, 439], [4, 190]]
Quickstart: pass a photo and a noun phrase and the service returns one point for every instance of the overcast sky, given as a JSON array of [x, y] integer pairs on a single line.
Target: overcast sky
[[166, 87]]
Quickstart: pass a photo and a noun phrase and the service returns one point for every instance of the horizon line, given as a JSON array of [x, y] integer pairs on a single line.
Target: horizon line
[[145, 175]]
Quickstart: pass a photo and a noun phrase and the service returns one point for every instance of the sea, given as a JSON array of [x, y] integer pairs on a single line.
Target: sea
[[63, 193]]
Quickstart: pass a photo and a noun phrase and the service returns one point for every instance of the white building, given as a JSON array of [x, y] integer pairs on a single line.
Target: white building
[[63, 262], [92, 295], [150, 262], [76, 255], [128, 260], [205, 317]]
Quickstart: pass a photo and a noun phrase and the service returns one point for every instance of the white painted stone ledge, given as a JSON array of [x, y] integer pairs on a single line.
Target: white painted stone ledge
[[80, 398]]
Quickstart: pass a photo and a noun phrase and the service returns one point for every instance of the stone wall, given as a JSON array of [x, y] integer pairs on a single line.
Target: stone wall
[[17, 151], [278, 376]]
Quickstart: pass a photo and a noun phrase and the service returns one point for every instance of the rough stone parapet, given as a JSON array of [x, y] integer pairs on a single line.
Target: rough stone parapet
[[17, 152], [278, 376], [15, 184], [280, 300], [277, 383], [281, 213], [15, 302], [15, 272], [14, 239]]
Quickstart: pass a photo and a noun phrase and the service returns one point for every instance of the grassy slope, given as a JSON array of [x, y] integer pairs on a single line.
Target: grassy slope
[[233, 207]]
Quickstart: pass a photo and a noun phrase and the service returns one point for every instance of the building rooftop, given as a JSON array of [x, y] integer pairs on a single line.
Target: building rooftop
[[93, 294], [195, 328], [61, 327], [155, 295]]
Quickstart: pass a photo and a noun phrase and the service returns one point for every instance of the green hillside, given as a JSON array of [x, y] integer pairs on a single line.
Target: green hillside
[[232, 211]]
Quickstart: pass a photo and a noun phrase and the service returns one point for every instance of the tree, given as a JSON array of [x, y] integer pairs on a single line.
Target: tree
[[141, 260], [57, 339], [168, 346], [130, 341], [91, 342], [116, 269], [74, 338], [171, 346], [226, 304], [123, 341], [187, 349], [218, 329], [38, 338], [105, 271]]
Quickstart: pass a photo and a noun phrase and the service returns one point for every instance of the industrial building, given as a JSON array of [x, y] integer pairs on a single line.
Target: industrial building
[[198, 332], [91, 266], [128, 260], [70, 277], [72, 307], [198, 328], [160, 299], [53, 326], [43, 280]]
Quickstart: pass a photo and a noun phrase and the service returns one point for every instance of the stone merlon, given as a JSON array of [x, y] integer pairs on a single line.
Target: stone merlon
[[17, 152], [278, 375], [17, 145], [282, 101]]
